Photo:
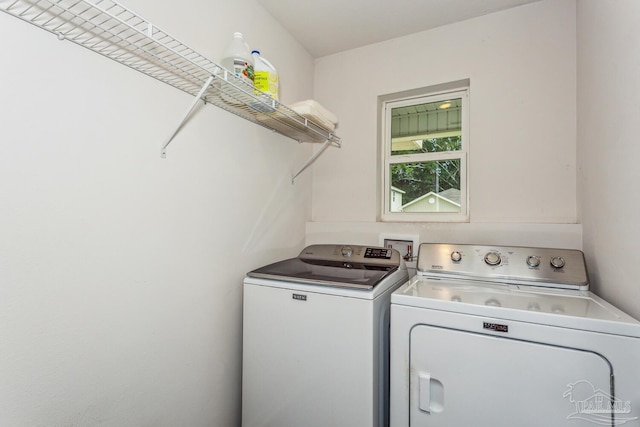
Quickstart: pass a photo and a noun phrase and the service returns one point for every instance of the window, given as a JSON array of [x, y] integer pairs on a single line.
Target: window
[[424, 156]]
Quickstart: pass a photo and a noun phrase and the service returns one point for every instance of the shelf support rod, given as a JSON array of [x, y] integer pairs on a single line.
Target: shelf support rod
[[163, 152], [312, 159]]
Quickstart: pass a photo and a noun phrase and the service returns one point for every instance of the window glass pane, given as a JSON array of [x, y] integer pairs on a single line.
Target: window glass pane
[[429, 145], [425, 187], [426, 128]]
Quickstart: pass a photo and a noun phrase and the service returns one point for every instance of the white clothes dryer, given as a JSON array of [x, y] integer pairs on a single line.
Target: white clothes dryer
[[492, 336], [316, 338]]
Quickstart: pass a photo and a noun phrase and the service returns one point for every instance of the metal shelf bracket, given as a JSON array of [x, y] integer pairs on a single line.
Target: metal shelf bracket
[[312, 159], [163, 151]]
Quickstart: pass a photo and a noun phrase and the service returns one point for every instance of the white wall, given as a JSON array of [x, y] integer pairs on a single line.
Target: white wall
[[522, 69], [121, 272], [608, 149]]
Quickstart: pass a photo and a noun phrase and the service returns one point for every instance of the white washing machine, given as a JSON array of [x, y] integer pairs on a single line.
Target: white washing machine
[[316, 338], [509, 336]]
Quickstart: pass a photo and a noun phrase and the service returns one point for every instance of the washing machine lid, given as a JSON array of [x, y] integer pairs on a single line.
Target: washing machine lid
[[350, 266]]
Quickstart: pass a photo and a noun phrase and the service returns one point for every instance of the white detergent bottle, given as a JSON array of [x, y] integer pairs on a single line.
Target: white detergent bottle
[[237, 58], [265, 76]]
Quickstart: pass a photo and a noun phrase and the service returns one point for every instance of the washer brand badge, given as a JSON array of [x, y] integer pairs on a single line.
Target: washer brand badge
[[495, 327], [436, 267], [299, 297]]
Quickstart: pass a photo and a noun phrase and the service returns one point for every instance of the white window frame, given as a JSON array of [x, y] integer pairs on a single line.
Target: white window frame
[[387, 159]]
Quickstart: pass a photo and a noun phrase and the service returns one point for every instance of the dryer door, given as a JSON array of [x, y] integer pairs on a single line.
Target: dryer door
[[461, 378]]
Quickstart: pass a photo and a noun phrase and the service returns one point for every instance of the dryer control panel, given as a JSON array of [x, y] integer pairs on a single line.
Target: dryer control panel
[[557, 268]]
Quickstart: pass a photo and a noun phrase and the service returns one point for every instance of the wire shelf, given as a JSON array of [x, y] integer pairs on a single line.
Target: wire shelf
[[110, 29]]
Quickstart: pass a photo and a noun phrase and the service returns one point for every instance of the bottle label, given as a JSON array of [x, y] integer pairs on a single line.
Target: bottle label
[[243, 70], [266, 82], [261, 80]]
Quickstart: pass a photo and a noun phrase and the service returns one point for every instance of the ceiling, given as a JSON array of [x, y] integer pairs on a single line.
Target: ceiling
[[325, 27]]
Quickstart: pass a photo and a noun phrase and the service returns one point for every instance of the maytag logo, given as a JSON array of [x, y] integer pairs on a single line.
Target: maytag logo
[[495, 327], [299, 297]]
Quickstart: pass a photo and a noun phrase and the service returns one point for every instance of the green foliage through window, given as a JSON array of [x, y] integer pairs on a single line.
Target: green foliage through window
[[418, 178]]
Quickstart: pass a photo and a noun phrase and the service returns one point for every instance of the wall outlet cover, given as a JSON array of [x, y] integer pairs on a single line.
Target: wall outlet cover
[[406, 245]]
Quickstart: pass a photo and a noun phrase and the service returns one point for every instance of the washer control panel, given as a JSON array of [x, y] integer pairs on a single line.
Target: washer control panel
[[351, 256], [558, 268]]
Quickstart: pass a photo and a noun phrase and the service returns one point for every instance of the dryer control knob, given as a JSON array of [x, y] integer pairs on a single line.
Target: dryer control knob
[[557, 262], [456, 256], [493, 302], [346, 251], [492, 258], [533, 261]]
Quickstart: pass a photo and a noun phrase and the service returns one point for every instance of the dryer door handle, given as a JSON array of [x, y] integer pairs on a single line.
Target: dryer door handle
[[430, 393], [424, 392]]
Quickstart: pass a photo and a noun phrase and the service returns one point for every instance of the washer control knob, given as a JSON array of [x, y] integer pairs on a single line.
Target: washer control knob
[[346, 251], [456, 256], [492, 258], [557, 262], [533, 261]]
